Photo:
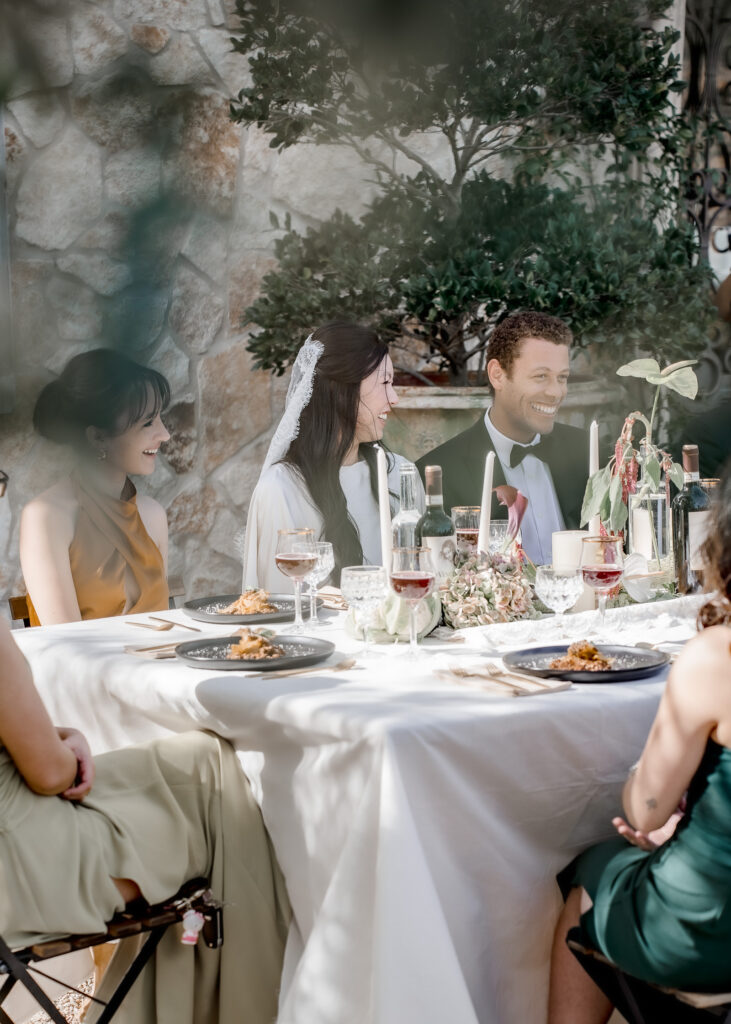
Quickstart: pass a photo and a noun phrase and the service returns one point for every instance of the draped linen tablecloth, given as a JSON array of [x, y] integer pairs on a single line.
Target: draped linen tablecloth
[[419, 824]]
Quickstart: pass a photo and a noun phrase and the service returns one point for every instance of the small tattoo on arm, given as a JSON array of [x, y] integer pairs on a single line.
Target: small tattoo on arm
[[651, 803]]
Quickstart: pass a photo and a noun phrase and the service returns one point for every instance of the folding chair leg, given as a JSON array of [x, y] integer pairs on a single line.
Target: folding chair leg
[[21, 974], [133, 973]]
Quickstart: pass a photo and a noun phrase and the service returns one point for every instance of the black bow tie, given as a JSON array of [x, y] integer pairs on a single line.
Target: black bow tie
[[518, 452]]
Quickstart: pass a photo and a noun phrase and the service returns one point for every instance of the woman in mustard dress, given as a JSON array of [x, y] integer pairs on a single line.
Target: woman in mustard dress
[[90, 546], [81, 837], [657, 901]]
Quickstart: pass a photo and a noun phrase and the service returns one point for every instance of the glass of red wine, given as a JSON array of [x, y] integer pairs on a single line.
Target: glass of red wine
[[602, 565], [296, 557], [466, 519], [412, 579]]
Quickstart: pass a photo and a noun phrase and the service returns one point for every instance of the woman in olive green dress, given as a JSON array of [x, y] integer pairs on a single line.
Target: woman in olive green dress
[[81, 837], [658, 903]]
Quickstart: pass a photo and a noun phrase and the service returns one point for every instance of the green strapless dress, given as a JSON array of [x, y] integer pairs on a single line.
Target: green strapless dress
[[160, 814], [665, 916]]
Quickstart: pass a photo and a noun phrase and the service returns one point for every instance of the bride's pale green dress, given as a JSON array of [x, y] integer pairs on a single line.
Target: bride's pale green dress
[[159, 814]]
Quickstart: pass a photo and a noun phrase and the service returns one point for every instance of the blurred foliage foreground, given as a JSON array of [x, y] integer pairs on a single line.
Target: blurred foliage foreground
[[562, 191]]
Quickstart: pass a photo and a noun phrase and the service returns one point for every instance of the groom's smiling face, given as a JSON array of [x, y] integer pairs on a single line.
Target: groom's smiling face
[[528, 396]]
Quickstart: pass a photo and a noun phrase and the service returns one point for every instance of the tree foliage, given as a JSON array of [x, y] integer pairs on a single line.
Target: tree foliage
[[520, 93]]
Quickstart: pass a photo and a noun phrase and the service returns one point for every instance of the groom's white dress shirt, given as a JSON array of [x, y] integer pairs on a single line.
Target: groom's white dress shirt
[[533, 479]]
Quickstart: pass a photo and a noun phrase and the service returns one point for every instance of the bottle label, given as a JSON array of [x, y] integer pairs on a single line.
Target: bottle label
[[443, 550], [698, 526]]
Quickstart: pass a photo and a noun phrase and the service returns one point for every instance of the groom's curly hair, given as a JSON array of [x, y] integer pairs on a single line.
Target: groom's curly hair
[[505, 340]]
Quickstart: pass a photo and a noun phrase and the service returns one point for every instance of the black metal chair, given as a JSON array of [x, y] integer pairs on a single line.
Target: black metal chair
[[19, 965], [640, 1002]]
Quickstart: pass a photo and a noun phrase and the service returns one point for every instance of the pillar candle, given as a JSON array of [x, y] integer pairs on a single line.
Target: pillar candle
[[483, 536], [384, 509]]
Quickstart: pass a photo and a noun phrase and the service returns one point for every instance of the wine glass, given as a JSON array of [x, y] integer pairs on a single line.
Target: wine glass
[[296, 557], [466, 519], [412, 579], [497, 541], [323, 567], [602, 565], [559, 589], [364, 588]]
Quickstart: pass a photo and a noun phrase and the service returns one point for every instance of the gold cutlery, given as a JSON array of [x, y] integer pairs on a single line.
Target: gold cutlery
[[180, 625], [162, 625], [341, 666]]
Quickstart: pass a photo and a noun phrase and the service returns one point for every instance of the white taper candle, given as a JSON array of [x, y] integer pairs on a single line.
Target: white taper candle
[[595, 521], [483, 536], [384, 509]]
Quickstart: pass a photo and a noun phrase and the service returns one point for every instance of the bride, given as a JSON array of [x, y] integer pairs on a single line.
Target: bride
[[320, 470]]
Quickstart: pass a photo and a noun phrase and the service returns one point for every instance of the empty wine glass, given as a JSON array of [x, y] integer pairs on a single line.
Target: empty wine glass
[[323, 567], [412, 579], [559, 589], [602, 564], [364, 588], [497, 541], [296, 557]]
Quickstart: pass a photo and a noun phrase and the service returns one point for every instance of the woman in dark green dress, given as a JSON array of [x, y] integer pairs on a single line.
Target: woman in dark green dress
[[656, 899]]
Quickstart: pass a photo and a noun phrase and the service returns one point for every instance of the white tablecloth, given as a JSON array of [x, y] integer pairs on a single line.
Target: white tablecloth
[[420, 825]]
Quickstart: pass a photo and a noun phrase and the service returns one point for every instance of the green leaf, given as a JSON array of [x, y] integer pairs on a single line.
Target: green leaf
[[273, 219], [676, 475], [683, 380], [617, 508], [597, 488], [652, 472], [639, 368]]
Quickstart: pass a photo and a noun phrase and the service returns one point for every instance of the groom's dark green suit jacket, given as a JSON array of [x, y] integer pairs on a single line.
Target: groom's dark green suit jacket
[[565, 450]]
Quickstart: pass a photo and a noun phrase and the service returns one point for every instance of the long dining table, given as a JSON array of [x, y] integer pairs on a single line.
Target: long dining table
[[419, 822]]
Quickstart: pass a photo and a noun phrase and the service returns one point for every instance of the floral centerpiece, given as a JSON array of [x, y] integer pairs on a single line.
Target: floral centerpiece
[[489, 587]]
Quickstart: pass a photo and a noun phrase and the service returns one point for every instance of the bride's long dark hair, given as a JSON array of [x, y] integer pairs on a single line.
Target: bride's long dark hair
[[351, 353]]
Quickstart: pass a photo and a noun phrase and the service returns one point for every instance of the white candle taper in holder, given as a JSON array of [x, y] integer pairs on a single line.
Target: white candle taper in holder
[[483, 535], [595, 521], [384, 509]]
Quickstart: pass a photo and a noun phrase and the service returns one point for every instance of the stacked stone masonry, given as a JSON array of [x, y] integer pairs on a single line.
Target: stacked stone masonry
[[138, 214]]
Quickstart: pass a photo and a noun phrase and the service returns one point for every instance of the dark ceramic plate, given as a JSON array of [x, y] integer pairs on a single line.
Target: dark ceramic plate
[[300, 651], [629, 663], [206, 609]]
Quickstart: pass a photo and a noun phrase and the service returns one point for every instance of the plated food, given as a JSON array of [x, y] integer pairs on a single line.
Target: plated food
[[254, 653], [251, 602], [253, 647], [582, 656], [612, 663], [247, 609]]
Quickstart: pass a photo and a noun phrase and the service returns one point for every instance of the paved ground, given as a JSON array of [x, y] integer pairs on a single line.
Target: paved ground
[[71, 1005]]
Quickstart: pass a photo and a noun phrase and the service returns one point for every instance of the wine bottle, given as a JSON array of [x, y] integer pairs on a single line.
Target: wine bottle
[[691, 512], [435, 530], [405, 521]]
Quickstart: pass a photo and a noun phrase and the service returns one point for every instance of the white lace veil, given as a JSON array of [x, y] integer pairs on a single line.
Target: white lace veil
[[299, 394]]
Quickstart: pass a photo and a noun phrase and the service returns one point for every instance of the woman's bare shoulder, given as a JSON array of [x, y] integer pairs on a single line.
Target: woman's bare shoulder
[[705, 661], [57, 500]]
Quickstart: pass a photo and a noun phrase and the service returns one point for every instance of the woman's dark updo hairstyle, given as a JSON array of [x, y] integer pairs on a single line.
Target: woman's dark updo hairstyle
[[716, 552], [351, 353], [102, 389]]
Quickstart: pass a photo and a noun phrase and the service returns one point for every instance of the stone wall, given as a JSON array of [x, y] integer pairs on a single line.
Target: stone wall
[[139, 215]]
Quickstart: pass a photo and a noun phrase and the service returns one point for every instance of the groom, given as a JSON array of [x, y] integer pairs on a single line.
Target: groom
[[528, 371]]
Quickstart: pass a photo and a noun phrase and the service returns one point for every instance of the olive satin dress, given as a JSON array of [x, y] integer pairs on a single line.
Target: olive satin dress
[[116, 566], [665, 916], [159, 814]]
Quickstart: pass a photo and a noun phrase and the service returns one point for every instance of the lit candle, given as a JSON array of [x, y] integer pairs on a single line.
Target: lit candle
[[483, 536], [595, 521], [384, 509]]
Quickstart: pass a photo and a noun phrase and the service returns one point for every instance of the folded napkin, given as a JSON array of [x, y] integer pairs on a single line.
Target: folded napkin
[[390, 621], [331, 597]]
